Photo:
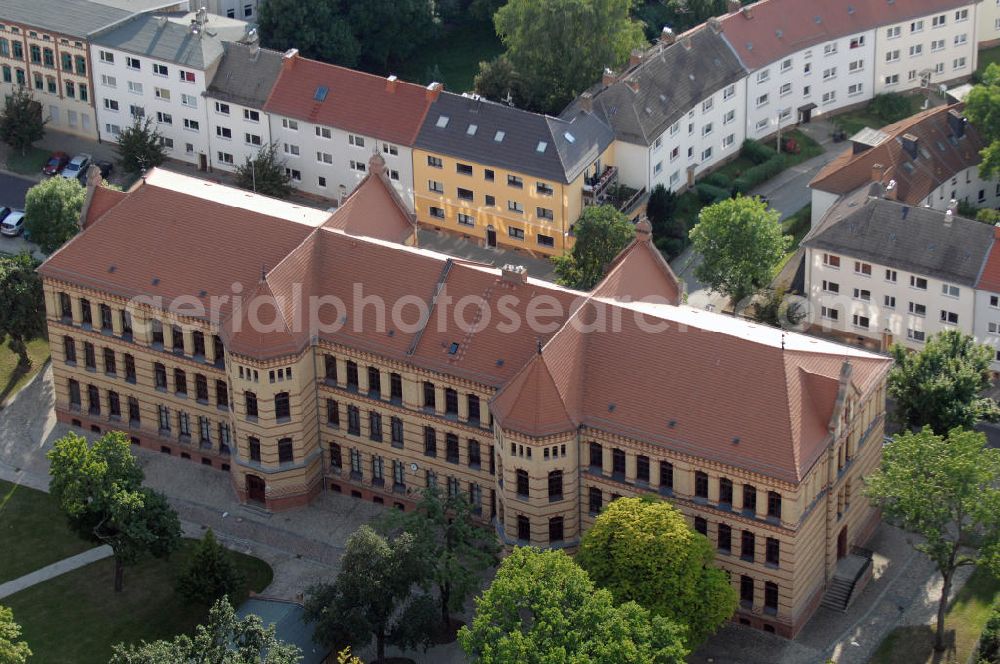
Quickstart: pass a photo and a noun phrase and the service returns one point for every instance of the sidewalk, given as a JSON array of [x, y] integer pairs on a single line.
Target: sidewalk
[[54, 570]]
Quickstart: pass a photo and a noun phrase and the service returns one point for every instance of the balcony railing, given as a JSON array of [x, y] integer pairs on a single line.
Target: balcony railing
[[595, 187]]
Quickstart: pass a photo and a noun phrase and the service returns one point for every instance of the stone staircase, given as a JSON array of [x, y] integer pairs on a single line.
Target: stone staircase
[[852, 573]]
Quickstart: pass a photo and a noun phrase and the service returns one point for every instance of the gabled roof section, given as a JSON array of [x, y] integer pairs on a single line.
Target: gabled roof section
[[639, 271], [170, 38], [486, 132], [351, 100], [374, 209], [946, 144], [245, 75], [670, 80], [990, 278], [916, 239], [103, 200], [531, 403], [76, 18], [767, 31]]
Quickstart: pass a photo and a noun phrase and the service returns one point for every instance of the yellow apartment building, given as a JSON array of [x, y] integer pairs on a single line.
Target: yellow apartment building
[[337, 356], [508, 177]]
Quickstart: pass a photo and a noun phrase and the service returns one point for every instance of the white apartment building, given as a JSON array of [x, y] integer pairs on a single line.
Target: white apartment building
[[327, 121], [238, 127], [678, 110], [159, 67], [245, 10], [926, 51], [988, 24], [986, 326], [879, 271]]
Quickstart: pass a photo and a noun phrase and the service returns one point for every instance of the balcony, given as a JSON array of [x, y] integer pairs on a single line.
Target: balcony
[[595, 188]]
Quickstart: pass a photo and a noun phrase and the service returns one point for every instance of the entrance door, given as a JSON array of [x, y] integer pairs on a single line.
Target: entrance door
[[255, 488], [842, 543], [805, 115], [491, 237], [202, 161]]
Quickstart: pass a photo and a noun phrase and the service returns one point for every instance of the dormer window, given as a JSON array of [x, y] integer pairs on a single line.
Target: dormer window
[[442, 121]]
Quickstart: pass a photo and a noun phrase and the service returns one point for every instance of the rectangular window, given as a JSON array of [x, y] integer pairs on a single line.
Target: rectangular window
[[353, 420], [515, 233], [375, 426], [595, 501], [748, 542], [397, 432], [515, 181], [430, 442], [919, 283], [949, 317]]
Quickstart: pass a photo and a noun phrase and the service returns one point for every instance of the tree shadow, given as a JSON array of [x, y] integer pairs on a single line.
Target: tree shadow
[[20, 371], [914, 644]]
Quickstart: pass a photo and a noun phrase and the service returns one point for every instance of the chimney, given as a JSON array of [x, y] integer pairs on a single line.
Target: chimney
[[288, 57], [715, 24], [643, 230], [514, 274], [733, 6], [635, 57], [667, 36], [948, 216], [747, 12], [632, 84], [875, 190], [878, 172], [93, 182], [686, 42], [390, 83], [952, 207], [587, 102], [376, 163], [910, 145], [434, 90], [608, 77], [956, 123], [891, 191]]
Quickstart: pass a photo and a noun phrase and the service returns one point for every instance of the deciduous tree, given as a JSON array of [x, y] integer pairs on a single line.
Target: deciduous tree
[[643, 550], [542, 607], [264, 173], [982, 107], [318, 28], [776, 308], [52, 212], [457, 551], [224, 639], [601, 233], [498, 81], [372, 596], [945, 489], [560, 47], [22, 303], [390, 31], [99, 489], [940, 385], [139, 148], [21, 123], [12, 651], [741, 243], [210, 574]]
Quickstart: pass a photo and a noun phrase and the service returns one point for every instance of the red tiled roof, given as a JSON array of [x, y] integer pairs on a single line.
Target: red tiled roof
[[769, 30], [639, 271], [355, 101], [708, 385], [103, 200], [374, 209], [941, 156], [990, 278]]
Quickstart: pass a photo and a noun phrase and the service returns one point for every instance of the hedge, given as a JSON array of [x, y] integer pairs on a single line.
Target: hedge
[[757, 152], [720, 180], [989, 642], [755, 175], [710, 194]]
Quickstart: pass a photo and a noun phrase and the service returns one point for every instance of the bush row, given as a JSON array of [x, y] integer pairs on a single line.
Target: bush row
[[754, 175], [989, 642], [756, 151]]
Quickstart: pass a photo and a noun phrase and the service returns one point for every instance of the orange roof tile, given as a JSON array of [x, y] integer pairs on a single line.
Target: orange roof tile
[[990, 278], [353, 100], [645, 273], [531, 402], [103, 200], [375, 210]]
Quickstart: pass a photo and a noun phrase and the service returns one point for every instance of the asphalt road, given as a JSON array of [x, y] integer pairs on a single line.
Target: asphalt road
[[13, 189]]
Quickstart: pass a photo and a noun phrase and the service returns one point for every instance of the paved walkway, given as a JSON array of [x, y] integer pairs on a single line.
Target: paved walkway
[[54, 570]]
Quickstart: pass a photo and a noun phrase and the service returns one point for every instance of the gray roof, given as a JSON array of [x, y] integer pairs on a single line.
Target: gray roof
[[289, 625], [245, 75], [643, 102], [170, 38], [568, 145], [915, 239], [76, 18]]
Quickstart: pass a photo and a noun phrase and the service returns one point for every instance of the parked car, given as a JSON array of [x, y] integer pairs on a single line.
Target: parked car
[[57, 161], [13, 223], [77, 167], [106, 168]]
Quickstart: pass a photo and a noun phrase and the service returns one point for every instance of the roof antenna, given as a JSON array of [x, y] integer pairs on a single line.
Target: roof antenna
[[263, 272], [782, 340], [539, 342]]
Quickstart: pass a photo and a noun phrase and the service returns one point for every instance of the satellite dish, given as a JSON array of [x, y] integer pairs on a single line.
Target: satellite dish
[[413, 467]]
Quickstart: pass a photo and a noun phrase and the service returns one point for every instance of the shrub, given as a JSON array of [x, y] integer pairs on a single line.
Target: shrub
[[719, 179], [891, 107], [756, 152], [989, 642], [988, 216], [210, 574], [754, 175], [672, 246], [709, 194]]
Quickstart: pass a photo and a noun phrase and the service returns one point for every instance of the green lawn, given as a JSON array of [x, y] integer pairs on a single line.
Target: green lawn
[[854, 121], [967, 616], [797, 226], [988, 57], [33, 531], [457, 54], [77, 617], [28, 164], [12, 375]]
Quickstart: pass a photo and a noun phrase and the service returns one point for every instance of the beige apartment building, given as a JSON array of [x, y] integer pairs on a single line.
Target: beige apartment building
[[538, 403]]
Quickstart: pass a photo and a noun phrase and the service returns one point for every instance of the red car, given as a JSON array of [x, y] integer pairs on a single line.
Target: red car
[[56, 163]]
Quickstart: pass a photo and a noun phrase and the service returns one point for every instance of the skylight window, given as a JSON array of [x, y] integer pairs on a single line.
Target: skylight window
[[321, 92], [569, 137], [442, 121], [541, 146], [499, 136], [453, 348], [471, 131]]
